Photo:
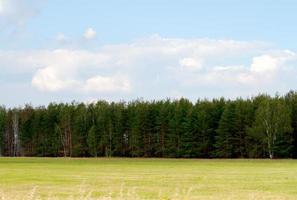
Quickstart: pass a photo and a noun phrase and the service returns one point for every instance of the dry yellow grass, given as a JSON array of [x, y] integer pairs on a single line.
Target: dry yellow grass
[[121, 179]]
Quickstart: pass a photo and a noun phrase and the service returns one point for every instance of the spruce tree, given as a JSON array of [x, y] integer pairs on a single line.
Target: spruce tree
[[225, 141]]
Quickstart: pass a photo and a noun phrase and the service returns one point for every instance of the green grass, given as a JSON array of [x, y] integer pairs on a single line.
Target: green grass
[[117, 178]]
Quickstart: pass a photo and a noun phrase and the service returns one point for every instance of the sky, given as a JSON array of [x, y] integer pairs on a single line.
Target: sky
[[122, 50]]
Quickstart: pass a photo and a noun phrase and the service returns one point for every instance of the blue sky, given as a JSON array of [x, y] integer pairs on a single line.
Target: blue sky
[[54, 50]]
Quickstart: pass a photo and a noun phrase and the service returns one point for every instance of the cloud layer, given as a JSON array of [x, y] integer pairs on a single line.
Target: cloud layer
[[15, 13], [157, 67]]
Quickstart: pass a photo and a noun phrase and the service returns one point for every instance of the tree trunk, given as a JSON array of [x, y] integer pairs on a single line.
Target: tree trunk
[[16, 143]]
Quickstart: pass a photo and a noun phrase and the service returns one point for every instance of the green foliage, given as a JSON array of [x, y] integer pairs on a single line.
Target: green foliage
[[225, 139], [166, 128], [291, 101], [92, 141], [2, 127], [272, 127]]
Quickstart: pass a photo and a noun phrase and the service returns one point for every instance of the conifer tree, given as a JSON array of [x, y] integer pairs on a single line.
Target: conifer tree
[[225, 133]]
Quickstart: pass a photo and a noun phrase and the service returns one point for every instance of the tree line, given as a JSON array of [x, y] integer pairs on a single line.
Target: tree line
[[258, 127]]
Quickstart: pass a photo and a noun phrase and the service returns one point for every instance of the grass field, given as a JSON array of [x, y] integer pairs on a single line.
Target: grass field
[[60, 178]]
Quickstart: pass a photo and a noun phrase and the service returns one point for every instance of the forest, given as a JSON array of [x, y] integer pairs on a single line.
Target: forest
[[259, 127]]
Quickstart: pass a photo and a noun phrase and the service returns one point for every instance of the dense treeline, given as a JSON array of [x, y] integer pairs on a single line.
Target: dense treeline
[[259, 127]]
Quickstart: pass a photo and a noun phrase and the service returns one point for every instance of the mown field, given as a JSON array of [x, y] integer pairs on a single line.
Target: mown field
[[120, 178]]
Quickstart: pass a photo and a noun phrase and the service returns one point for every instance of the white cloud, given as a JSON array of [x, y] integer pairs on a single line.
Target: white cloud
[[191, 64], [49, 79], [234, 68], [1, 6], [60, 37], [62, 68], [16, 12], [107, 84], [157, 67], [264, 63], [90, 34], [4, 7], [270, 63]]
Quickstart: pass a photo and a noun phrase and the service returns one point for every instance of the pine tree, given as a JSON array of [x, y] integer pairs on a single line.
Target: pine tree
[[92, 141], [243, 119], [2, 128], [291, 101], [202, 130], [225, 144]]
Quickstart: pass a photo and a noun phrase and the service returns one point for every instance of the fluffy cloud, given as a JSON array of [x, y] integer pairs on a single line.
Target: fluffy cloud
[[264, 63], [157, 67], [108, 84], [16, 12], [49, 79], [264, 72], [62, 69], [60, 37], [1, 6], [191, 64], [90, 34], [269, 63]]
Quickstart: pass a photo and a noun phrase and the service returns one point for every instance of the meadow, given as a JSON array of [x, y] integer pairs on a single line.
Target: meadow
[[135, 178]]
